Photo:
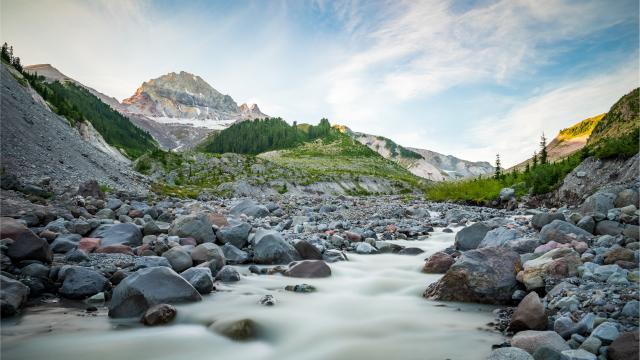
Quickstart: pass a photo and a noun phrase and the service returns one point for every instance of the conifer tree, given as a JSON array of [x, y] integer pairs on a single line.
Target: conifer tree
[[543, 150], [498, 173], [535, 160]]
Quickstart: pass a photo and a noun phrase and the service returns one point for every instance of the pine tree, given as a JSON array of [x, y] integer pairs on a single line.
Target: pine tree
[[498, 173], [543, 150], [5, 53], [527, 168], [16, 63], [535, 160]]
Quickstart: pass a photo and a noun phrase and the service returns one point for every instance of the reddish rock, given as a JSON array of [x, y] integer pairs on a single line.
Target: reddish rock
[[391, 228], [625, 347], [159, 314], [88, 244], [115, 249], [353, 236], [308, 269], [218, 219], [135, 213], [26, 245], [529, 314], [307, 251], [438, 263], [48, 234]]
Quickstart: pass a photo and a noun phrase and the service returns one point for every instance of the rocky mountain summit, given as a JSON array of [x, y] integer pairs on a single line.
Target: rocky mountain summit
[[184, 98]]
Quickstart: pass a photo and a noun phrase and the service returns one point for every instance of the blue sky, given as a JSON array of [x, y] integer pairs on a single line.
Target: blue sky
[[467, 78]]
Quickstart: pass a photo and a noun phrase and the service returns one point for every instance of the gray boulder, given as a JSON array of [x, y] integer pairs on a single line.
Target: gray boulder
[[587, 223], [194, 226], [307, 251], [562, 232], [147, 287], [626, 197], [13, 295], [600, 202], [607, 332], [532, 340], [200, 278], [271, 248], [119, 234], [81, 282], [228, 274], [65, 243], [365, 249], [509, 353], [179, 258], [608, 227], [498, 237], [542, 219], [471, 236], [208, 252], [233, 255], [308, 269], [236, 234], [486, 275], [250, 208], [578, 354]]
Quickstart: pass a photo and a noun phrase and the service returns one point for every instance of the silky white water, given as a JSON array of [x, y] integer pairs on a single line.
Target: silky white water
[[370, 308]]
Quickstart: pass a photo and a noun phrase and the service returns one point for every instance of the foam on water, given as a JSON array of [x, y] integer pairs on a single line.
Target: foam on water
[[370, 308]]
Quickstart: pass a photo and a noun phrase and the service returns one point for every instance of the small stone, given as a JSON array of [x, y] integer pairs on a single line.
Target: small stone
[[301, 288], [267, 300], [159, 314]]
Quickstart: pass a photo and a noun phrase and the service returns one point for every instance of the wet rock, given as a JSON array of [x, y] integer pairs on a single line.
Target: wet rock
[[13, 295], [233, 255], [26, 245], [240, 330], [267, 300], [194, 226], [365, 249], [179, 258], [148, 287], [470, 237], [333, 255], [200, 278], [80, 282], [228, 274], [509, 353], [159, 315], [529, 314], [301, 288], [410, 251], [438, 263], [208, 252], [271, 248], [531, 340], [462, 283], [235, 235], [308, 269], [625, 346], [307, 251]]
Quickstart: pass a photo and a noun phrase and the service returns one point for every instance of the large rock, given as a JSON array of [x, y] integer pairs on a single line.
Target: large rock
[[498, 237], [578, 354], [194, 226], [81, 282], [607, 332], [179, 258], [531, 340], [485, 275], [13, 295], [307, 251], [538, 221], [608, 227], [308, 269], [26, 245], [250, 208], [625, 346], [438, 263], [234, 256], [148, 287], [90, 188], [65, 243], [159, 314], [509, 353], [626, 197], [562, 232], [235, 234], [119, 234], [208, 252], [228, 274], [529, 314], [470, 237], [200, 278], [600, 202], [271, 248], [558, 263]]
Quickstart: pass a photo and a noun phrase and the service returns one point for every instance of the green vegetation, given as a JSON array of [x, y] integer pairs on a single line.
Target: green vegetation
[[260, 135], [77, 105], [624, 146], [623, 118], [583, 128], [396, 149]]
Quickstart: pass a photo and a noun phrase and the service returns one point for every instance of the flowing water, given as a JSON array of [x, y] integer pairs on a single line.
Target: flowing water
[[370, 308]]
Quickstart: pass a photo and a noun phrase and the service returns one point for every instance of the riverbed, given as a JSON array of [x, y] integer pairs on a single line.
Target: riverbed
[[370, 308]]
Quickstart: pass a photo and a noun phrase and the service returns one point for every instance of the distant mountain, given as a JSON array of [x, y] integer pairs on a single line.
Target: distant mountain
[[184, 98], [424, 163]]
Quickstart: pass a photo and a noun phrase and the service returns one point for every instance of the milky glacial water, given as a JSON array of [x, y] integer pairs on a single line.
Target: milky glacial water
[[370, 308]]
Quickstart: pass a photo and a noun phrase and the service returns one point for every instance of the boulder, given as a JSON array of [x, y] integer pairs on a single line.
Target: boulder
[[250, 208], [308, 269], [558, 263], [179, 258], [228, 274], [271, 248], [119, 234], [195, 226], [65, 243], [509, 353], [470, 237], [200, 278], [587, 223], [625, 346], [208, 252], [147, 287], [618, 254], [538, 221], [90, 188], [607, 332], [529, 315], [26, 245], [626, 197], [507, 193], [88, 244], [486, 275], [234, 256], [81, 282], [365, 249], [235, 235], [498, 237], [600, 202], [438, 263], [578, 354], [13, 295], [307, 251], [608, 227], [531, 340], [159, 314], [562, 232], [240, 330], [115, 249]]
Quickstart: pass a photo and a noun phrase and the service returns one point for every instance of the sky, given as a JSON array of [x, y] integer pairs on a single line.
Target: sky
[[465, 78]]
